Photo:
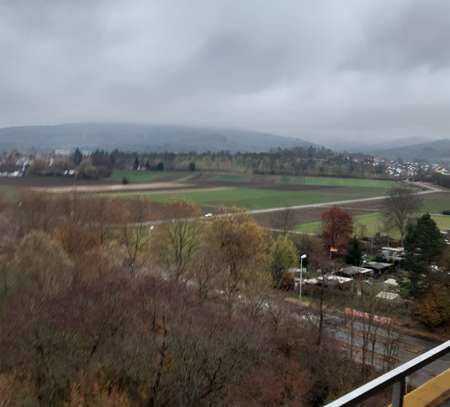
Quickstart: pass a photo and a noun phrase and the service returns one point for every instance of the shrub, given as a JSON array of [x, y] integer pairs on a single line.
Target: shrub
[[433, 307], [41, 263]]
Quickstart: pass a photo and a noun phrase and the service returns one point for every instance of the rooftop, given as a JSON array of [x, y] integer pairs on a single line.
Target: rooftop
[[354, 271]]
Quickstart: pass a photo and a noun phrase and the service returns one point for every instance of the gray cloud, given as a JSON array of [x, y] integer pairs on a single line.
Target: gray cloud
[[411, 34], [331, 72]]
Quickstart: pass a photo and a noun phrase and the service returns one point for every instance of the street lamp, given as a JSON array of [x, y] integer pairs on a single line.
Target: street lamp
[[302, 257]]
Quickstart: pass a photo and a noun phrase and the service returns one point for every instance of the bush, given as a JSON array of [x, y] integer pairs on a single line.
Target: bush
[[87, 171], [90, 172], [103, 172], [125, 181], [433, 307], [40, 263], [284, 256], [287, 282]]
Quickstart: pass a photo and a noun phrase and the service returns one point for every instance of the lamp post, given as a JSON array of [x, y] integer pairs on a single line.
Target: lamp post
[[303, 256]]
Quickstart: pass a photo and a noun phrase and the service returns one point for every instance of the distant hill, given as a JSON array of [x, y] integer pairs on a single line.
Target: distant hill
[[137, 137], [362, 146], [433, 151]]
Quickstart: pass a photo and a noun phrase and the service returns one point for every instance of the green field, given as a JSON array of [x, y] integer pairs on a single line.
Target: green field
[[443, 221], [135, 176], [436, 203], [139, 177], [257, 198], [305, 180], [343, 182], [372, 224], [254, 197], [231, 178]]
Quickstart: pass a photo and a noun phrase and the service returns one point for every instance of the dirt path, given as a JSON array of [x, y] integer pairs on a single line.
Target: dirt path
[[114, 188]]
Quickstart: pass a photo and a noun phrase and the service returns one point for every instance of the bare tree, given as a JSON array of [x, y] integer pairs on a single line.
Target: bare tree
[[284, 220], [391, 344], [135, 235], [34, 211], [400, 205], [175, 242], [372, 337], [325, 267], [203, 272]]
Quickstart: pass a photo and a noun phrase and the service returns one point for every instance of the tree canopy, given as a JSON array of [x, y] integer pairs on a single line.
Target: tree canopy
[[354, 253], [399, 207], [423, 245], [337, 228], [284, 256]]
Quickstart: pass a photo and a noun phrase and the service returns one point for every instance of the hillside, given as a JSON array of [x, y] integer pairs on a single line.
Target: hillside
[[433, 151], [137, 137]]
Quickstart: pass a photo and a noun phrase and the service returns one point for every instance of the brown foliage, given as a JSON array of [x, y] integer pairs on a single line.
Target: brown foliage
[[41, 264], [433, 307], [75, 330], [34, 211], [337, 228], [148, 342], [240, 249]]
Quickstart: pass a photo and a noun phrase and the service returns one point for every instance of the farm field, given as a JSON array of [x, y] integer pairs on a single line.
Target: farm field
[[258, 198], [346, 182], [232, 178], [135, 177], [436, 203], [219, 190], [303, 180]]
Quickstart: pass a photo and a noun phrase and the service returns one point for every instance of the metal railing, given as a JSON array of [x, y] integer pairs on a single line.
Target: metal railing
[[396, 378]]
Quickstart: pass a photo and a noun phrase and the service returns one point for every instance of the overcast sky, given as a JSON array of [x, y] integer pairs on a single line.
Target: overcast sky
[[328, 71]]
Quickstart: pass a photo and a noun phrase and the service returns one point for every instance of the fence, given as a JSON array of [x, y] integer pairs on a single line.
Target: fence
[[396, 378]]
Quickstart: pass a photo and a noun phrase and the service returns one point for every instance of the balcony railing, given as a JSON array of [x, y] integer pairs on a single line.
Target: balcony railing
[[396, 378]]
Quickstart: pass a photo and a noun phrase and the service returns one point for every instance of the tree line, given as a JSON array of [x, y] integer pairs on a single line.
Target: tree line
[[295, 161]]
